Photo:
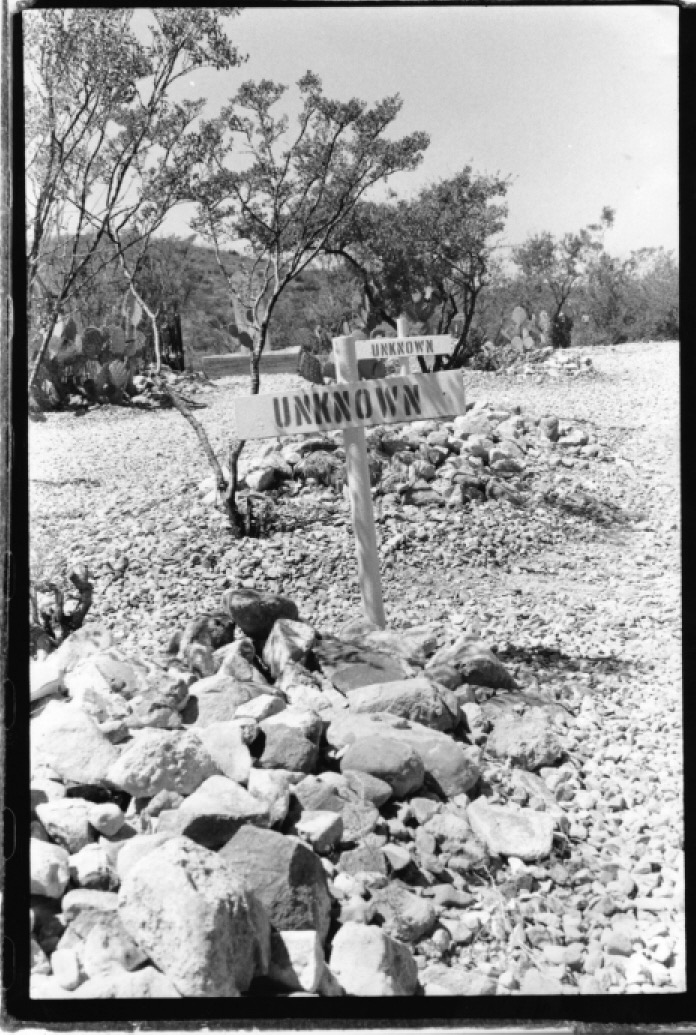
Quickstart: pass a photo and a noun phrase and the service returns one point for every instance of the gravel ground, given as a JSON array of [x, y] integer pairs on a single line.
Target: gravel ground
[[582, 611]]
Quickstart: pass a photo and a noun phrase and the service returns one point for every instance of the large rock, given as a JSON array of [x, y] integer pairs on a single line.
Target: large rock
[[297, 960], [67, 822], [291, 740], [111, 671], [148, 983], [452, 766], [225, 744], [48, 868], [367, 962], [349, 665], [529, 741], [47, 675], [415, 645], [476, 663], [389, 759], [214, 812], [217, 698], [418, 699], [70, 742], [407, 917], [271, 786], [160, 760], [255, 611], [287, 641], [505, 830], [195, 920], [286, 876]]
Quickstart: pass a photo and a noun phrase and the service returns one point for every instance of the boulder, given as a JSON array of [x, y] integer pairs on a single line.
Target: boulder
[[255, 611], [475, 662], [70, 742], [66, 821], [285, 874], [133, 850], [214, 812], [505, 830], [48, 868], [415, 645], [47, 675], [297, 960], [368, 962], [225, 744], [148, 983], [271, 786], [389, 759], [288, 641], [419, 699], [106, 818], [217, 698], [186, 908], [111, 671], [406, 916], [321, 829], [322, 466], [90, 867], [157, 760], [528, 741], [349, 665]]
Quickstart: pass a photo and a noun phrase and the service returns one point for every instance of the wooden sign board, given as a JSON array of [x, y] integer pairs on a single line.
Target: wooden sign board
[[351, 405], [403, 348]]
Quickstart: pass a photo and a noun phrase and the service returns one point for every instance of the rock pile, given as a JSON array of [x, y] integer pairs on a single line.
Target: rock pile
[[273, 810], [485, 454]]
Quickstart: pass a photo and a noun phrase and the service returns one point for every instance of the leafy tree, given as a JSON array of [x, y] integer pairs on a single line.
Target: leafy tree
[[293, 193], [290, 193], [430, 258], [106, 145], [551, 267], [653, 295]]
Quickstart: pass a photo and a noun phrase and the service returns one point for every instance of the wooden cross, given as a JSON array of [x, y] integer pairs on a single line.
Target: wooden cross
[[351, 406]]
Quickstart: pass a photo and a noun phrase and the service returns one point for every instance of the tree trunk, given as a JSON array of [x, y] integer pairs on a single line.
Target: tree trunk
[[235, 518]]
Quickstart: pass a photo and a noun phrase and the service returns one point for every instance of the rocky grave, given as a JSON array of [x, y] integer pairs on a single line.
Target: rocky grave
[[270, 810]]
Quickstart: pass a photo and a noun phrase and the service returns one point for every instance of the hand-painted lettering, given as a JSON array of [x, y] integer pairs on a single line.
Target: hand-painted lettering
[[429, 346], [363, 404], [341, 401], [303, 409], [282, 419], [321, 407], [387, 399], [412, 401]]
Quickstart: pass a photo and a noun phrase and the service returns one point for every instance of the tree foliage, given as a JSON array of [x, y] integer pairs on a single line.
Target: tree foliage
[[291, 190], [551, 266], [429, 258], [107, 148]]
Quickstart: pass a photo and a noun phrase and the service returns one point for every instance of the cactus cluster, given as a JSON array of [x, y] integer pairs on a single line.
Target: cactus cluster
[[94, 361]]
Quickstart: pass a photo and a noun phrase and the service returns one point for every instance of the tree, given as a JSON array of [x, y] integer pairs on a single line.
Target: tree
[[430, 258], [551, 267], [292, 192], [106, 146]]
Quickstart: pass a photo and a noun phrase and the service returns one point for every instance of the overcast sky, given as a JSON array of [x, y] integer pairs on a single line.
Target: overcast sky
[[578, 104]]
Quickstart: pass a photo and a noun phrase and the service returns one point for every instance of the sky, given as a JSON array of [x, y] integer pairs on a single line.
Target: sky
[[577, 104]]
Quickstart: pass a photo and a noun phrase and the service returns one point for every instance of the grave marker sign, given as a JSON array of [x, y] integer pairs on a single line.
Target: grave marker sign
[[351, 406]]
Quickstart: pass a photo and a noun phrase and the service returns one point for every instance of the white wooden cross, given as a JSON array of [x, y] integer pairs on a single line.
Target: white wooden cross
[[350, 406]]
